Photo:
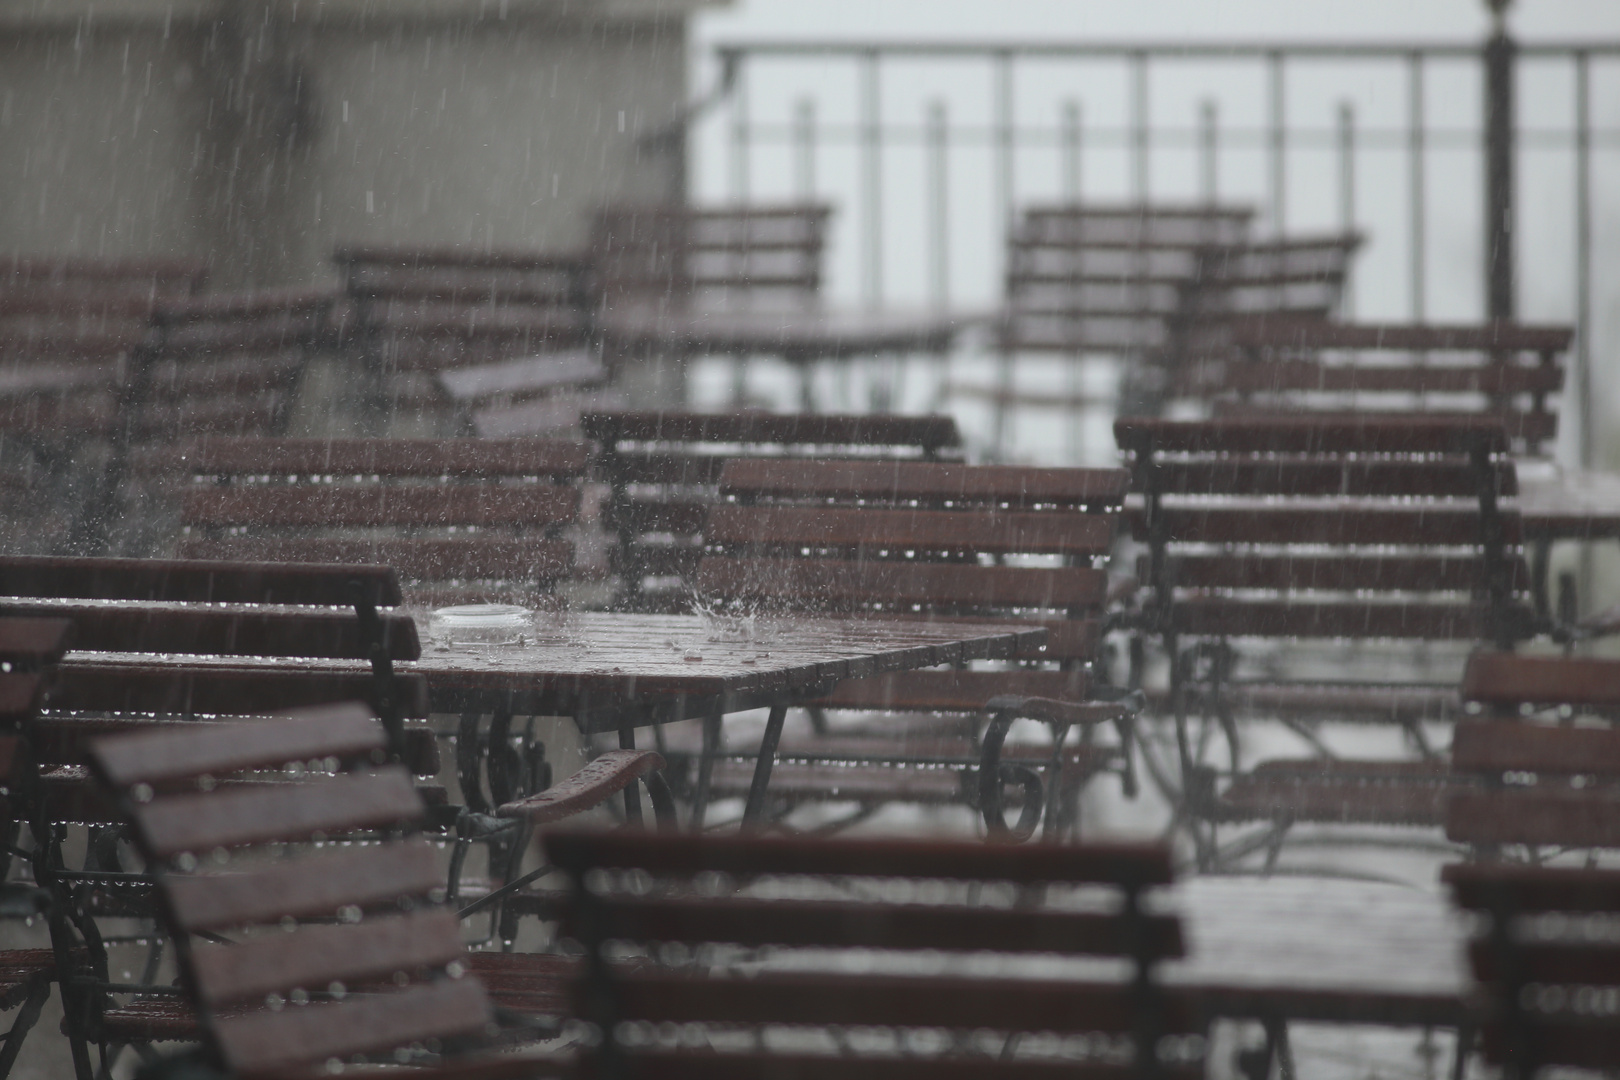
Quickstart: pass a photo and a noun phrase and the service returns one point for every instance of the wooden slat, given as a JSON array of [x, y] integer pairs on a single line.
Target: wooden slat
[[1575, 1041], [663, 515], [952, 691], [1536, 748], [809, 924], [267, 812], [312, 957], [1532, 888], [1096, 862], [414, 558], [95, 685], [191, 750], [862, 1000], [382, 457], [1505, 679], [235, 631], [288, 505], [1525, 425], [1341, 792], [673, 1064], [304, 888], [66, 740], [20, 698], [1343, 524], [1282, 333], [29, 644], [1563, 817], [1054, 532], [1316, 434], [262, 1042], [1593, 963], [1336, 378], [1305, 477], [907, 480], [194, 581], [925, 432], [838, 584], [1278, 573], [1238, 618]]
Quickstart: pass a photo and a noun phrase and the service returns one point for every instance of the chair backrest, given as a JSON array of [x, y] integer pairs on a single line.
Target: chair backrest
[[709, 258], [1547, 774], [1548, 966], [907, 538], [1505, 369], [297, 952], [441, 308], [1109, 277], [838, 901], [154, 638], [462, 519], [1339, 526], [664, 468]]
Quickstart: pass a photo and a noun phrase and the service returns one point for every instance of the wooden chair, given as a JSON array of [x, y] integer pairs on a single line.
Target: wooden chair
[[497, 344], [706, 897], [1505, 369], [663, 469], [1284, 530], [29, 651], [253, 810], [197, 615], [709, 259], [1548, 984], [918, 539], [462, 520]]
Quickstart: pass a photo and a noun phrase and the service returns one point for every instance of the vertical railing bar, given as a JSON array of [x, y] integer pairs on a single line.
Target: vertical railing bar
[[1347, 194], [1209, 152], [939, 204], [872, 176], [1071, 148], [1417, 151], [1279, 143], [804, 140], [1140, 135], [740, 136], [1004, 195], [1071, 151]]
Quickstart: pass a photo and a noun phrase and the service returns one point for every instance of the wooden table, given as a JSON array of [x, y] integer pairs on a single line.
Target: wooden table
[[1557, 503], [615, 672]]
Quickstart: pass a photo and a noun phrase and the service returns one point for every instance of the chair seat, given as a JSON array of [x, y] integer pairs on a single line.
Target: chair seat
[[1339, 701], [1343, 792], [149, 1020]]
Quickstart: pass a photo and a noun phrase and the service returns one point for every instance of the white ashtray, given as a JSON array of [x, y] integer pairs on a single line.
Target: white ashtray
[[481, 624]]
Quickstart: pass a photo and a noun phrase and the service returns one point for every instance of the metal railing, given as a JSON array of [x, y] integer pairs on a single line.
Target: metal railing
[[929, 150]]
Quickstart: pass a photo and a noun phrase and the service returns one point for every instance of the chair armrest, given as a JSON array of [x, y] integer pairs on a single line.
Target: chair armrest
[[591, 786]]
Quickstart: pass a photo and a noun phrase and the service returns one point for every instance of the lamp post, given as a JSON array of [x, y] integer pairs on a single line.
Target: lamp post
[[1499, 224]]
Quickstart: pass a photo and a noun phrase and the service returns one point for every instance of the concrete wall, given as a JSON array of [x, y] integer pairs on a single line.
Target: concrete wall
[[260, 136]]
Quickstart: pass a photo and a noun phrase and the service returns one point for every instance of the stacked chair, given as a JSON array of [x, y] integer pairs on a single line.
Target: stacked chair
[[492, 344]]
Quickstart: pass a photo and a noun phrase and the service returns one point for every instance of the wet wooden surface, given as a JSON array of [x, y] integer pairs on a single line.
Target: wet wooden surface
[[612, 669]]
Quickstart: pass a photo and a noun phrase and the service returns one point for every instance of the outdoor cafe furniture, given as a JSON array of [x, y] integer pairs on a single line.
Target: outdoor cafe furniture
[[1505, 369], [663, 470], [179, 639], [461, 520], [295, 952], [737, 281], [1298, 529], [1143, 281], [490, 343], [1548, 975], [986, 905], [936, 542], [29, 651]]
